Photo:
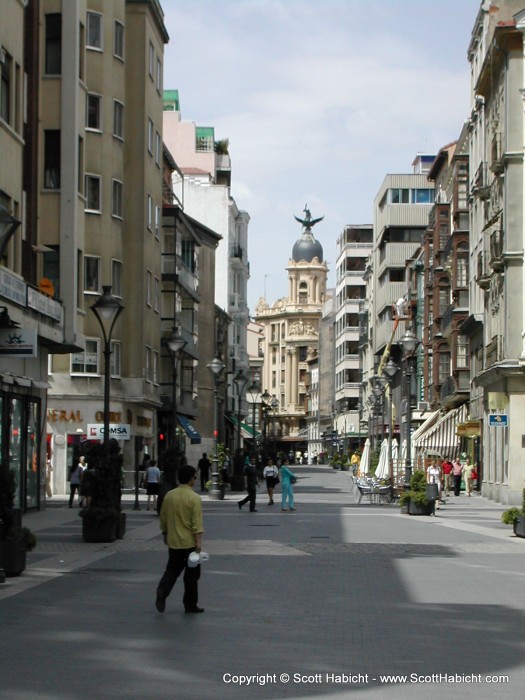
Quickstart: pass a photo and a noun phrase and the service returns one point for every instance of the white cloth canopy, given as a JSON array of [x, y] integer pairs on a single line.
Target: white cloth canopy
[[382, 470], [364, 464]]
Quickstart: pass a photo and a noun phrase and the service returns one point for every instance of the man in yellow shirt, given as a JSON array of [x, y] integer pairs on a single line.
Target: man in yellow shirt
[[181, 525]]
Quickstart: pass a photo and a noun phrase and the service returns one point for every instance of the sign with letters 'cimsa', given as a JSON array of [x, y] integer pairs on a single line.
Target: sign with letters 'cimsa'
[[118, 431]]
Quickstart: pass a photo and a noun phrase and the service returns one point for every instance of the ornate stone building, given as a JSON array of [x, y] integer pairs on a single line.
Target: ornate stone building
[[290, 338]]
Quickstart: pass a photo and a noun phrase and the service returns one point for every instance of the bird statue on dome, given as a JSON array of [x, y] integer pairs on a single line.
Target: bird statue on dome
[[308, 222]]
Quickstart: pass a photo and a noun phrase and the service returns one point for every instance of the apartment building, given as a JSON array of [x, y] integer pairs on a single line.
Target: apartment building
[[203, 186], [354, 246], [99, 201], [32, 323], [496, 323]]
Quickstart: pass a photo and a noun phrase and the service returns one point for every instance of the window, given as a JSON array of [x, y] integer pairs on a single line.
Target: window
[[116, 278], [93, 193], [118, 40], [159, 75], [156, 298], [158, 148], [118, 119], [86, 362], [93, 112], [443, 367], [157, 222], [91, 274], [462, 352], [151, 60], [116, 209], [150, 136], [155, 367], [399, 196], [53, 57], [52, 159], [116, 358], [462, 271], [149, 278], [147, 364], [422, 196], [5, 90], [150, 212], [94, 31]]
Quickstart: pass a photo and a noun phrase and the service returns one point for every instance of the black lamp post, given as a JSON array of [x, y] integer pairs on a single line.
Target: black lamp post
[[255, 393], [240, 381], [274, 403], [409, 342], [216, 367], [175, 344], [390, 370], [265, 401], [107, 309], [8, 226]]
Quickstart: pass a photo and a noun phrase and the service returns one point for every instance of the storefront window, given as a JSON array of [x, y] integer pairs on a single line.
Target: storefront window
[[32, 480], [15, 448]]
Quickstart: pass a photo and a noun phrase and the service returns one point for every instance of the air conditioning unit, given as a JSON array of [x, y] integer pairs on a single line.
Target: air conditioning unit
[[423, 406]]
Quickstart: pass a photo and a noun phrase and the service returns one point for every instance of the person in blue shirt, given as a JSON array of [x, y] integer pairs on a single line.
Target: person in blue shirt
[[287, 480]]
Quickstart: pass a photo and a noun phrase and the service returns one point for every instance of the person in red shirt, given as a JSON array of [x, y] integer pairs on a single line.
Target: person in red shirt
[[446, 468]]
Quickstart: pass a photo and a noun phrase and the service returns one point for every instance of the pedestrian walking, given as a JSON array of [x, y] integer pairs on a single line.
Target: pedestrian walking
[[288, 479], [75, 479], [203, 469], [251, 481], [271, 475], [152, 482], [434, 477], [457, 471], [181, 525], [446, 468], [468, 471]]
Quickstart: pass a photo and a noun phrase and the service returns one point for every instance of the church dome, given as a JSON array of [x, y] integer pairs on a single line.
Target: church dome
[[307, 248]]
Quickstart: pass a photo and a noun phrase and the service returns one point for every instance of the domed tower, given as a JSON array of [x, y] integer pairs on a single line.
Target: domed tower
[[307, 270]]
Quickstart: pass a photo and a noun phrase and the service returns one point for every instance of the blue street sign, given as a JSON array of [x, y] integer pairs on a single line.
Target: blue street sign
[[498, 420]]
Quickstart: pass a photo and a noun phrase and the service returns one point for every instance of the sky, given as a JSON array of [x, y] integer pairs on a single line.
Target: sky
[[320, 99]]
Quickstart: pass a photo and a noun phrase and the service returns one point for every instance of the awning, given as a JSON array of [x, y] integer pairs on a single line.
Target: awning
[[191, 432], [246, 430], [442, 438], [430, 421]]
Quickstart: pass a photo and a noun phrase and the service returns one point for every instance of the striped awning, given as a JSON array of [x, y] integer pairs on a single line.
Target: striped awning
[[441, 437]]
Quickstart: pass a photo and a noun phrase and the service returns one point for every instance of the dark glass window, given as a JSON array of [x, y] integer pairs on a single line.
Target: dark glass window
[[53, 44]]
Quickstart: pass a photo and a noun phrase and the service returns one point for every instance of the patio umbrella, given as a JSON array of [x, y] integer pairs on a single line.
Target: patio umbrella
[[400, 466], [395, 455], [382, 466], [364, 464]]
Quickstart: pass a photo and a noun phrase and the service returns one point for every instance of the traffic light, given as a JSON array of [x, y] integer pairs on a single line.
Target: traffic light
[[161, 441]]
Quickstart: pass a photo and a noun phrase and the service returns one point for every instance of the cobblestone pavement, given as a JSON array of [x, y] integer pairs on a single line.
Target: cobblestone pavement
[[324, 603]]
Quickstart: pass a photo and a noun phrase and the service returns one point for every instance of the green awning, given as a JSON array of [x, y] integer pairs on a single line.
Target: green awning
[[246, 430]]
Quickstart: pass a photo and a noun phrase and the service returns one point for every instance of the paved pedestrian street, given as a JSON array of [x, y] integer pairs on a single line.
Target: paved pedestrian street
[[335, 600]]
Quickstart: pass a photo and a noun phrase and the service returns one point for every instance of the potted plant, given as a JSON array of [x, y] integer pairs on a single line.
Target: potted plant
[[336, 463], [415, 499], [15, 541], [516, 518], [102, 518], [345, 465]]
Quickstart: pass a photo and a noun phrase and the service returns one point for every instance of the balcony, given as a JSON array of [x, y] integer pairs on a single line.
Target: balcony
[[482, 273], [496, 259]]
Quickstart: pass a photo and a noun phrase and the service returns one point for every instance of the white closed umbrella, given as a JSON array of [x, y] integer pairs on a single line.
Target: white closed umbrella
[[400, 467], [382, 466], [395, 455], [364, 464]]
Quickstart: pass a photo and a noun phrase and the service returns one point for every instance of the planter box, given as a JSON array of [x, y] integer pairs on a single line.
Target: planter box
[[104, 531], [419, 508], [519, 527], [13, 557]]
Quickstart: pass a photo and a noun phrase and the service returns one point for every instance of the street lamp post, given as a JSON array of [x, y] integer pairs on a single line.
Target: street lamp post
[[265, 400], [107, 309], [274, 404], [175, 344], [240, 381], [409, 342], [255, 393], [216, 367], [390, 370]]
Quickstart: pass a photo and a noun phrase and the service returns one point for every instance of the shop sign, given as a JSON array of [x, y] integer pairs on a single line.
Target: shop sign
[[118, 431], [498, 420], [18, 342]]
